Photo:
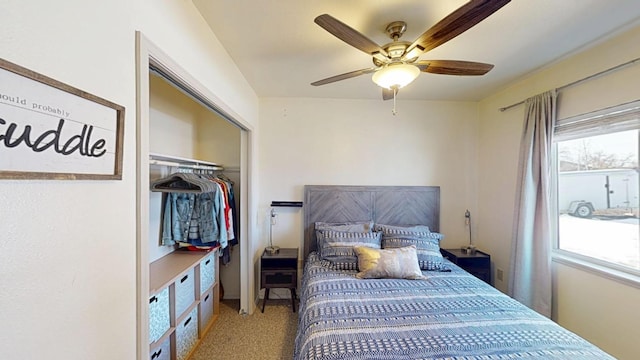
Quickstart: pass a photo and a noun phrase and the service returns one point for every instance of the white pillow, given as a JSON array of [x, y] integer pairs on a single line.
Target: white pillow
[[399, 263]]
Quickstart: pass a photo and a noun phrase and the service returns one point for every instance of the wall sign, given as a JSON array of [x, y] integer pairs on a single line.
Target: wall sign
[[50, 130]]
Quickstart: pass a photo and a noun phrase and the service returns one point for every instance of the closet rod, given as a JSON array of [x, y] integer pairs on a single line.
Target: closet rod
[[183, 165], [604, 72]]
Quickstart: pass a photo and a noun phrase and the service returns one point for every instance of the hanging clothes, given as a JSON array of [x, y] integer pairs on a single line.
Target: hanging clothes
[[234, 218], [233, 221], [198, 211], [227, 191], [176, 217]]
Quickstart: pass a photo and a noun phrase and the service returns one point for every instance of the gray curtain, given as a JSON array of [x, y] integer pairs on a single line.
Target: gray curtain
[[530, 271]]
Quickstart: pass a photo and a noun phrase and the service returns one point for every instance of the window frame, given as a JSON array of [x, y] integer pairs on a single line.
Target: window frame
[[590, 264]]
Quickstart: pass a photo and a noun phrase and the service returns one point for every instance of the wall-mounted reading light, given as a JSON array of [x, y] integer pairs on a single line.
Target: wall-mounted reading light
[[272, 249], [272, 221]]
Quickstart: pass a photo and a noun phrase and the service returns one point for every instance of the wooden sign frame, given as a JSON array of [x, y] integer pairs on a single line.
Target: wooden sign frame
[[50, 130]]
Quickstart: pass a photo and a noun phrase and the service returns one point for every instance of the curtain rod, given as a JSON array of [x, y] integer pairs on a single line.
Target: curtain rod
[[604, 72]]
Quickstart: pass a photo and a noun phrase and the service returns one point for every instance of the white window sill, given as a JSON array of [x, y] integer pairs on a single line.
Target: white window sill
[[625, 276]]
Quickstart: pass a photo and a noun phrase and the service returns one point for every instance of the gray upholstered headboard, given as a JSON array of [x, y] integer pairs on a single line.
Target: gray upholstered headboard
[[392, 205]]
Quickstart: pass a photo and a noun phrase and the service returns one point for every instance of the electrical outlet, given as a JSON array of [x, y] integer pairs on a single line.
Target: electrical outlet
[[499, 274]]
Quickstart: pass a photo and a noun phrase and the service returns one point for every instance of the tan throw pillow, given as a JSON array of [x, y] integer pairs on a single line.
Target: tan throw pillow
[[398, 263]]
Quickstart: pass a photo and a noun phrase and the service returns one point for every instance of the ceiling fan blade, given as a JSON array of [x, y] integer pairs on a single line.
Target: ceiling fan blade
[[347, 34], [343, 76], [387, 94], [459, 21], [453, 67]]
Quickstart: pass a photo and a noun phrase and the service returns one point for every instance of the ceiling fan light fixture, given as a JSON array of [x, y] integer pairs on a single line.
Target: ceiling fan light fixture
[[395, 75]]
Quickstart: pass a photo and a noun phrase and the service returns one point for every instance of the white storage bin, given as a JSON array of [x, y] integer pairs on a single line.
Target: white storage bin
[[162, 352], [159, 321], [206, 310], [207, 272], [185, 292], [187, 334]]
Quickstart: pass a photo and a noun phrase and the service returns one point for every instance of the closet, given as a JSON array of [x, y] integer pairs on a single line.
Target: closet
[[185, 286]]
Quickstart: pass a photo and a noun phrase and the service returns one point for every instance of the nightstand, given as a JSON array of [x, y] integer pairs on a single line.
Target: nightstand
[[478, 264], [279, 270]]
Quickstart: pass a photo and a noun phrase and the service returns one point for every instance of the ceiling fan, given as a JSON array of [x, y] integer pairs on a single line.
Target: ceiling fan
[[396, 63]]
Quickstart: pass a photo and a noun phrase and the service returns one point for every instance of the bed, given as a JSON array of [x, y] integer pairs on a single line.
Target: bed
[[448, 315]]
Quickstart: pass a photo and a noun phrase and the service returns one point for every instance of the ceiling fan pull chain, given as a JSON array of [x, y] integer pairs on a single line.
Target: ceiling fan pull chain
[[395, 91]]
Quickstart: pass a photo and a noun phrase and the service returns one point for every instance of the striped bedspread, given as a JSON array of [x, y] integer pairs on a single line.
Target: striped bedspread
[[452, 315]]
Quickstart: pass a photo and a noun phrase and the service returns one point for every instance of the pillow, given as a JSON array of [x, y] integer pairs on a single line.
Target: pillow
[[337, 246], [354, 226], [427, 243], [400, 263]]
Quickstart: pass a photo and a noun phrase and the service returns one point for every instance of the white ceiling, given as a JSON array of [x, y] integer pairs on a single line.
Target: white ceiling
[[280, 50]]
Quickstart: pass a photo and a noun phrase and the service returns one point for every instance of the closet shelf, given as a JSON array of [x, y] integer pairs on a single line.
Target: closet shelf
[[168, 268], [180, 162]]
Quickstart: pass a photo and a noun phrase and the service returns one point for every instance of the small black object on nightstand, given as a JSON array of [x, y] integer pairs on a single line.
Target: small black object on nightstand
[[279, 270], [478, 264]]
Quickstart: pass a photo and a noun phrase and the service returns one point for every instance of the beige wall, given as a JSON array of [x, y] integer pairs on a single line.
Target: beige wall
[[359, 142], [601, 310], [67, 255], [173, 121], [68, 249]]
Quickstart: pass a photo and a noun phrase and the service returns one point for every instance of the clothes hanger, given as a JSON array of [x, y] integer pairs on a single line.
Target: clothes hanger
[[183, 182], [222, 176]]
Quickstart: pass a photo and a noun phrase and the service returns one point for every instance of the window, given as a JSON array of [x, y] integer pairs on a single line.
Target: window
[[597, 186]]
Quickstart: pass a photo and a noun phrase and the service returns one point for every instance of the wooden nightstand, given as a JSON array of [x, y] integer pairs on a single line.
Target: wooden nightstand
[[279, 270], [478, 264]]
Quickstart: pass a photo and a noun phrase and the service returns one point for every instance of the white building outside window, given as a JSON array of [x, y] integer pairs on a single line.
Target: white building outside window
[[598, 190]]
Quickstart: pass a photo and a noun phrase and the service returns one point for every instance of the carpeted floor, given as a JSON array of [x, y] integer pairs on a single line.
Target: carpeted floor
[[261, 336]]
